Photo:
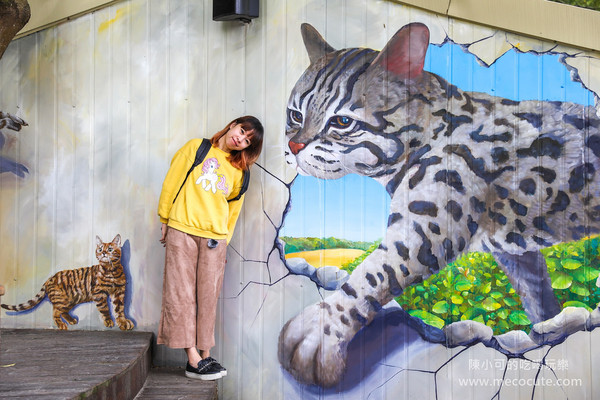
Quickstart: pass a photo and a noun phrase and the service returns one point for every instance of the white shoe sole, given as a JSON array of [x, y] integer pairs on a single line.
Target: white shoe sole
[[204, 377]]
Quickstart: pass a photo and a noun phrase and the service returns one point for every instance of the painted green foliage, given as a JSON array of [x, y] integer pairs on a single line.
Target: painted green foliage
[[574, 268], [591, 4], [356, 262], [475, 288], [293, 244]]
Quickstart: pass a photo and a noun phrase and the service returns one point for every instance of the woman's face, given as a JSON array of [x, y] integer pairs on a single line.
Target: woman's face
[[236, 138]]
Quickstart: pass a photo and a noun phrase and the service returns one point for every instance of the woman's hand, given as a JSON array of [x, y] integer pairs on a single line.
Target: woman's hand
[[163, 234]]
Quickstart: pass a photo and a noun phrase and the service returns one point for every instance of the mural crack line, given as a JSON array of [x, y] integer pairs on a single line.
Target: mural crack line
[[386, 381], [497, 394], [244, 259], [254, 283], [258, 312], [270, 173]]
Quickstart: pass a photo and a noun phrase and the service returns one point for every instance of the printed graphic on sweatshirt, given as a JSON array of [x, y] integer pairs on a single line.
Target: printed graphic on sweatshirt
[[210, 179]]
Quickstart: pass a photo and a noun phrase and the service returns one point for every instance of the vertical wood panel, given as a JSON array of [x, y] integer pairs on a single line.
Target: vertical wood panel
[[65, 147], [9, 183], [197, 97], [111, 96]]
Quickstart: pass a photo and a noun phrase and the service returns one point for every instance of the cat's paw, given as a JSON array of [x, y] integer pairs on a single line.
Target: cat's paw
[[312, 347], [109, 323], [70, 320], [61, 325], [60, 318], [125, 324]]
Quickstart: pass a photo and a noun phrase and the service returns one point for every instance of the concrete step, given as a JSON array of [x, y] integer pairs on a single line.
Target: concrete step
[[77, 364], [171, 384], [53, 364]]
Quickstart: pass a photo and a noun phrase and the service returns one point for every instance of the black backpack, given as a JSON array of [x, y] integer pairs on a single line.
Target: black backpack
[[200, 155]]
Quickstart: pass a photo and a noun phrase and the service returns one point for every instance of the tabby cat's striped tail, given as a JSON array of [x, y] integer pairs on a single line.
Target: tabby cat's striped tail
[[28, 305]]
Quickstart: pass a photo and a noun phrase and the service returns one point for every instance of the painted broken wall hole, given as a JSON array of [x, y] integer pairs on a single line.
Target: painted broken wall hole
[[122, 125], [514, 343]]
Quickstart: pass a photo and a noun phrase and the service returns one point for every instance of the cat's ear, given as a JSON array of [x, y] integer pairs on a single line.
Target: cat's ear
[[98, 241], [117, 240], [316, 46], [404, 54]]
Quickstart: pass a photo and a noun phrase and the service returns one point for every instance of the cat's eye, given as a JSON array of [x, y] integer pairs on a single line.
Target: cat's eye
[[340, 122], [295, 116]]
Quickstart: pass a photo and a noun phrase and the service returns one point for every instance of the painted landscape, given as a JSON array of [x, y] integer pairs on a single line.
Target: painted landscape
[[473, 287]]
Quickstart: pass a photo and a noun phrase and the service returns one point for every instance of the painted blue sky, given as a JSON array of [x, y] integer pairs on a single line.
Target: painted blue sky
[[356, 208]]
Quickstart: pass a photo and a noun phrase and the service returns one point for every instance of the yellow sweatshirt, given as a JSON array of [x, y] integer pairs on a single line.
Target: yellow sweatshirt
[[201, 209]]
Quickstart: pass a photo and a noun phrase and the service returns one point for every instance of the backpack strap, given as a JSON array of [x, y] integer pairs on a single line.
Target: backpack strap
[[245, 182], [200, 155]]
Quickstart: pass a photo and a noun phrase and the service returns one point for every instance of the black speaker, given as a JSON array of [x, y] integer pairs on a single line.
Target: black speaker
[[228, 10]]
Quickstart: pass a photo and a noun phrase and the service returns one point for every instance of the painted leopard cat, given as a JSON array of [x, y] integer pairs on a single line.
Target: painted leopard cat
[[465, 172], [71, 287]]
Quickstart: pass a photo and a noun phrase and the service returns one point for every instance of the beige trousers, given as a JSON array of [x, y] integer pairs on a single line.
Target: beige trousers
[[192, 282]]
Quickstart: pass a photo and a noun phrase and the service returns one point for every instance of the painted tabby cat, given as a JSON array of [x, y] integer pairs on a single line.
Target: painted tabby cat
[[465, 172], [67, 288]]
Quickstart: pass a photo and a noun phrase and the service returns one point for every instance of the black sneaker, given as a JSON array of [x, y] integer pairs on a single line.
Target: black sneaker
[[207, 371], [218, 366]]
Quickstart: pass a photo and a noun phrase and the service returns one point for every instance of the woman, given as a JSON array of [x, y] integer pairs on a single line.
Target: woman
[[198, 215]]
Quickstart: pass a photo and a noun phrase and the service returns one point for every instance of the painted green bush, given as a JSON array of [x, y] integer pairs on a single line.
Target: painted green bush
[[297, 244], [591, 4], [474, 287], [574, 268], [350, 266]]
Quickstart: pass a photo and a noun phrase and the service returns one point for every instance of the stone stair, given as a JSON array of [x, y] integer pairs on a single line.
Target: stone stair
[[78, 364]]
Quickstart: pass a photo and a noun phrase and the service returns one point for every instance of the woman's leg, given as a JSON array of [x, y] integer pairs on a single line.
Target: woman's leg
[[211, 268], [193, 356], [177, 328], [205, 353]]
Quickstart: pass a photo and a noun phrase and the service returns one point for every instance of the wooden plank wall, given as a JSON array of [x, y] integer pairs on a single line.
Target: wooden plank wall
[[110, 96]]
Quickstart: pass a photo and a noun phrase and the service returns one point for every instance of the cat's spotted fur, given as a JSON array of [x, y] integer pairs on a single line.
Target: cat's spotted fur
[[67, 288], [465, 172]]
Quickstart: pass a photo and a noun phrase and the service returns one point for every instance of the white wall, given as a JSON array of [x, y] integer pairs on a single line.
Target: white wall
[[110, 96]]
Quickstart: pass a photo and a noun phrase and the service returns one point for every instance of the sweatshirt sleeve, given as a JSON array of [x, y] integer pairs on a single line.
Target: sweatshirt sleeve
[[234, 212], [180, 164]]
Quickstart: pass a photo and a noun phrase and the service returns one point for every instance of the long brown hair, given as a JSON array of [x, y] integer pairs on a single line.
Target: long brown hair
[[243, 159]]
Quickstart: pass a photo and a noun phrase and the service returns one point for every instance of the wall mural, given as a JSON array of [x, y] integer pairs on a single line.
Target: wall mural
[[99, 283], [466, 172], [67, 289], [13, 17], [13, 123], [409, 198]]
